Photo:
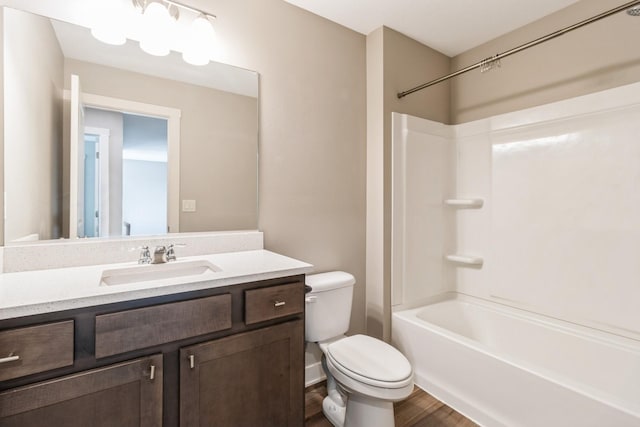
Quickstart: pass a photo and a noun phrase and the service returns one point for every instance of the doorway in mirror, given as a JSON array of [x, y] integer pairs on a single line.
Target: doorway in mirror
[[131, 152], [137, 155], [144, 175], [95, 189]]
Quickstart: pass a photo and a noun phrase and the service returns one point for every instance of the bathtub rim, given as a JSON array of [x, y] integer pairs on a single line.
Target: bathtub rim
[[593, 333], [410, 315]]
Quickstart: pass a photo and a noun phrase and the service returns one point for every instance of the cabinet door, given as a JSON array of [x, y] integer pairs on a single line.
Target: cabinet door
[[123, 395], [250, 379]]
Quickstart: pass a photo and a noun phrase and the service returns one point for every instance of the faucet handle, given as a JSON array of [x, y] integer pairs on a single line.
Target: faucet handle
[[171, 253], [145, 255]]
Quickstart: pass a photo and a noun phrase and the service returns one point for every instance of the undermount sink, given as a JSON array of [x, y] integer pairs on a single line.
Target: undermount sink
[[150, 272]]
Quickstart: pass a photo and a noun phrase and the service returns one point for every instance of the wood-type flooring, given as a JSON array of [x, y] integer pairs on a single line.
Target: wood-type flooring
[[420, 409]]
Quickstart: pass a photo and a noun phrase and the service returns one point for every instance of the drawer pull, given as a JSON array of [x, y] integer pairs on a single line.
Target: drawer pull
[[9, 359], [152, 374], [279, 303], [192, 361]]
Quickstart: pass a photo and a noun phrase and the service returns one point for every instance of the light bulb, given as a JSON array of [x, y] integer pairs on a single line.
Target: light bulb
[[199, 41], [108, 26], [158, 28]]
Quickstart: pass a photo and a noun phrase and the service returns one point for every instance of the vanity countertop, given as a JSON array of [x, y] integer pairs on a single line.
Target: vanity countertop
[[43, 291]]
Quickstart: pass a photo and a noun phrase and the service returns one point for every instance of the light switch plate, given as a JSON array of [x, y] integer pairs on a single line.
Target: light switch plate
[[188, 206]]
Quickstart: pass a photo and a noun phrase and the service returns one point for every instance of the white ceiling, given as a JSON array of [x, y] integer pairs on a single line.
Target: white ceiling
[[449, 26]]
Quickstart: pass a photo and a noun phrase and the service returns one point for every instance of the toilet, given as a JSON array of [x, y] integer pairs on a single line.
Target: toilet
[[364, 375]]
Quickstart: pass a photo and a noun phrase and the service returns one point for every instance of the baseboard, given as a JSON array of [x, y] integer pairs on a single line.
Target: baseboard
[[313, 374]]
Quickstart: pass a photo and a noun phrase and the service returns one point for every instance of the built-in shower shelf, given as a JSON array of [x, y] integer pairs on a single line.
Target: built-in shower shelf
[[464, 203], [465, 259]]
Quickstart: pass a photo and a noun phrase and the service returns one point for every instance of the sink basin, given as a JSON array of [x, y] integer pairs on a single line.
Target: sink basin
[[150, 272]]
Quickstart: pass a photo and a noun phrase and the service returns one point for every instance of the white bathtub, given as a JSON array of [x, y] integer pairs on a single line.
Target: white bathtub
[[506, 367]]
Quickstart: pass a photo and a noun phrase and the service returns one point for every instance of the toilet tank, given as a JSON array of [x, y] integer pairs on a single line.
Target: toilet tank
[[328, 305]]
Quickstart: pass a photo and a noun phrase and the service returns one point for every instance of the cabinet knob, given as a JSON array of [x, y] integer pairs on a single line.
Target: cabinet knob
[[279, 303], [192, 361], [10, 358], [152, 373]]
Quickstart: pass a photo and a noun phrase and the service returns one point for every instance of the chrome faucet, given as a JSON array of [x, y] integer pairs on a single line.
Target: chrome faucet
[[162, 254], [159, 255]]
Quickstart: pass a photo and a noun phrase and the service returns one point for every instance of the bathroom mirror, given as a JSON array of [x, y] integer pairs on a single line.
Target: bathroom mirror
[[160, 145]]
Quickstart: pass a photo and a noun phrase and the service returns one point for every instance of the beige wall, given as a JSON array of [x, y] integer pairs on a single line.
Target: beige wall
[[2, 119], [593, 58], [33, 65], [312, 131], [394, 63], [376, 297], [217, 143]]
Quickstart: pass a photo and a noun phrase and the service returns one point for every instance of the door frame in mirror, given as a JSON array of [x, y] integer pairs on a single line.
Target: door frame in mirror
[[103, 147], [172, 115]]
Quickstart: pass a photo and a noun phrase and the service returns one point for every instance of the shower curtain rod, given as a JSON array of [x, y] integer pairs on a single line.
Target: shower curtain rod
[[493, 59]]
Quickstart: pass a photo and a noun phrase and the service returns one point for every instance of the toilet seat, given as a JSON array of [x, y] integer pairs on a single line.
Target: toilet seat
[[369, 366]]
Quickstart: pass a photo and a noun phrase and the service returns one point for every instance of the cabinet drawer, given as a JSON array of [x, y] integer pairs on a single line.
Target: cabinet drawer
[[273, 302], [33, 349], [145, 327]]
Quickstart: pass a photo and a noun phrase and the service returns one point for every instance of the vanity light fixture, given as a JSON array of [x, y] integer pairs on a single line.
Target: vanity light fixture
[[200, 38], [104, 30], [156, 27], [160, 21]]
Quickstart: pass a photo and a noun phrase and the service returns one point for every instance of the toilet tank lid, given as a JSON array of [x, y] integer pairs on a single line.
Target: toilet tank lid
[[331, 280]]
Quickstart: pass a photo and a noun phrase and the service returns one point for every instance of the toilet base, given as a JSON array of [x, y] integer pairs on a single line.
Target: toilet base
[[333, 411], [360, 411], [363, 411]]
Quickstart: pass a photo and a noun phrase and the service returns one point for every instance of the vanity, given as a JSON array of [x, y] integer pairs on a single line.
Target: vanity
[[225, 348]]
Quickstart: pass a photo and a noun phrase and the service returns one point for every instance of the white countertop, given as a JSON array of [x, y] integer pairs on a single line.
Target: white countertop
[[43, 291]]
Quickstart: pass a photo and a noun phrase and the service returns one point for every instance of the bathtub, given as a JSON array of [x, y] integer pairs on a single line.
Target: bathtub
[[501, 366]]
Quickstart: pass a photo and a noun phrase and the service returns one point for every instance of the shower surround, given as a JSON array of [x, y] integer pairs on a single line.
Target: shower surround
[[536, 211]]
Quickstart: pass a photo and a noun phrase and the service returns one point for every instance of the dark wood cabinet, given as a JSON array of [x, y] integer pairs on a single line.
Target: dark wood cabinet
[[125, 395], [129, 330], [94, 366], [272, 303], [33, 349], [249, 379]]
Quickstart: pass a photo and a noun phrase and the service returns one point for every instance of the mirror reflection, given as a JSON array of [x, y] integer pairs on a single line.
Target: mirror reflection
[[143, 155], [105, 140]]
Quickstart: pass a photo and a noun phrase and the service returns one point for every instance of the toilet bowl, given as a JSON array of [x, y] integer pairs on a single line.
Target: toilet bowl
[[364, 375]]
